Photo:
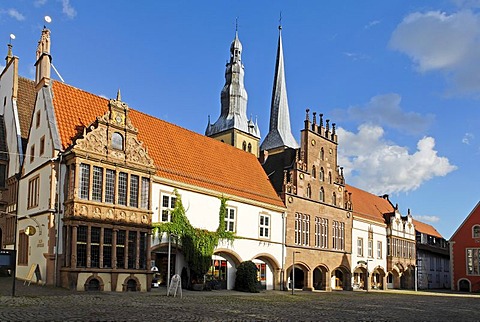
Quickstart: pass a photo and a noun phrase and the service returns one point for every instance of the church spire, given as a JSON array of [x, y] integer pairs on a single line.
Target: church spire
[[233, 115], [44, 60], [280, 133]]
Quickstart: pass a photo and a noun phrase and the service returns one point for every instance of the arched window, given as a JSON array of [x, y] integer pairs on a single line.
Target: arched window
[[329, 177], [322, 174], [249, 147], [334, 198], [476, 231], [309, 191], [117, 141], [314, 172], [322, 154], [322, 194], [244, 146]]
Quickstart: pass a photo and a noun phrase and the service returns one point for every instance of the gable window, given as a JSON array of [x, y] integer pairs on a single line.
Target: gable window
[[168, 203], [117, 141], [122, 188], [314, 172], [134, 182], [84, 181], [37, 121], [110, 186], [264, 226], [476, 231], [32, 153], [249, 147], [244, 146], [42, 145], [97, 184], [322, 194], [309, 191], [230, 220], [33, 192], [321, 174], [322, 154], [334, 199], [360, 247], [329, 177]]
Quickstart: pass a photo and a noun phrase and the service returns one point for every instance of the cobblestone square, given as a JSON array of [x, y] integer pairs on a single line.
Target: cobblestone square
[[37, 303]]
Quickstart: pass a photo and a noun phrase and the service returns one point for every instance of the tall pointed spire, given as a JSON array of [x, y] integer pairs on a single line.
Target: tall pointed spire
[[44, 60], [234, 97], [280, 133]]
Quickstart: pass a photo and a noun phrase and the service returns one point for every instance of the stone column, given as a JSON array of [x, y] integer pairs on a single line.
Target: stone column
[[149, 252]]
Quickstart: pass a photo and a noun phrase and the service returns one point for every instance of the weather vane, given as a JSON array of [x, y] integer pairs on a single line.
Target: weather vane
[[12, 37], [48, 19]]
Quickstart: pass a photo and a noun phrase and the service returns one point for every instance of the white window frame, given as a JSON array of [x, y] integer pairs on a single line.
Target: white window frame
[[167, 209], [229, 220], [360, 247], [264, 230]]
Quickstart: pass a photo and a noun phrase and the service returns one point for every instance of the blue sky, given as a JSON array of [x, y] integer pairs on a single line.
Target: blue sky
[[401, 79]]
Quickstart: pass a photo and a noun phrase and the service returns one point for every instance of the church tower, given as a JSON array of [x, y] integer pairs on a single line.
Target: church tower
[[280, 135], [233, 127]]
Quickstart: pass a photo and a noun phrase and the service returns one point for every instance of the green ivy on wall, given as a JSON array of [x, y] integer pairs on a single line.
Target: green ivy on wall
[[198, 245]]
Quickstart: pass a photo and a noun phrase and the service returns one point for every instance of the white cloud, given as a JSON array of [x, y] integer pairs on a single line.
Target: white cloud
[[378, 166], [467, 138], [68, 10], [371, 24], [431, 219], [467, 3], [355, 56], [39, 3], [449, 43], [15, 14], [386, 110]]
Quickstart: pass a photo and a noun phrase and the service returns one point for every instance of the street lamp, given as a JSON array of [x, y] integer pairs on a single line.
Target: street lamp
[[293, 272]]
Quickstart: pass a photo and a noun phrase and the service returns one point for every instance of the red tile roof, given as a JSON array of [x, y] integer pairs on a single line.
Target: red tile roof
[[369, 206], [426, 229], [179, 154]]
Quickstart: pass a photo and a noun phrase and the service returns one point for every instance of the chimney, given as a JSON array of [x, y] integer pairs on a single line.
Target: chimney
[[44, 60]]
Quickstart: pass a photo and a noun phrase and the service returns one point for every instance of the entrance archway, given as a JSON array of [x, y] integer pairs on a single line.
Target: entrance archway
[[464, 285], [359, 278], [320, 278], [340, 279], [377, 278], [406, 279], [268, 271], [299, 278], [224, 268]]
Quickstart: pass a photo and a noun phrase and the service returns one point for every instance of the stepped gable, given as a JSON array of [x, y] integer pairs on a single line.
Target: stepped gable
[[426, 229], [179, 154], [369, 206]]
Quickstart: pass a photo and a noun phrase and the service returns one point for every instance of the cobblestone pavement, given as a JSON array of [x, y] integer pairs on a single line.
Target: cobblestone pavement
[[41, 303]]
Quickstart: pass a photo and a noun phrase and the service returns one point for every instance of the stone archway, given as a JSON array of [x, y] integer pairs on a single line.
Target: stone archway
[[269, 271], [359, 278], [94, 283], [224, 267], [340, 279], [321, 278], [407, 279], [377, 279], [131, 283], [301, 276]]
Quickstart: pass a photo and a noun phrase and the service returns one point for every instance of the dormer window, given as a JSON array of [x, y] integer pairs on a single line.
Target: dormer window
[[476, 231], [117, 141]]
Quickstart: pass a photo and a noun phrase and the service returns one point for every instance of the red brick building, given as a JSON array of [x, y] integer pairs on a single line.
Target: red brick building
[[465, 254]]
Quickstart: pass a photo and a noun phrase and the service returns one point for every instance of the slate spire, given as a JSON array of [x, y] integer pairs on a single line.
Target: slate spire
[[280, 133]]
